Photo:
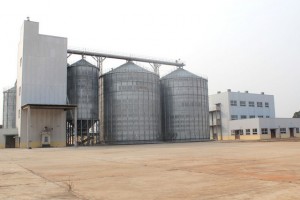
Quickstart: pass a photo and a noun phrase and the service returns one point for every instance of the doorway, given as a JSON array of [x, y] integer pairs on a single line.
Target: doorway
[[273, 133], [215, 136], [292, 132], [237, 134], [10, 141]]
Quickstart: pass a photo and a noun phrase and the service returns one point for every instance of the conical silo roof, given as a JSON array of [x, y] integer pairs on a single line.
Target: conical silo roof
[[82, 62], [180, 73], [129, 67]]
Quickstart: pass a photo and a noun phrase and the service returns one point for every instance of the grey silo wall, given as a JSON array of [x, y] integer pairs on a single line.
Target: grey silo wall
[[185, 114], [131, 105], [9, 108], [82, 89]]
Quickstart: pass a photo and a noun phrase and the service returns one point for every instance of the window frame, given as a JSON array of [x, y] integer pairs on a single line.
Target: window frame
[[233, 118], [251, 104], [233, 102], [264, 131], [248, 131], [259, 104], [254, 131], [243, 103], [282, 130], [267, 105]]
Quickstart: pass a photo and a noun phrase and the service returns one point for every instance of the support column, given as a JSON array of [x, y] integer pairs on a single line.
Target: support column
[[99, 136], [75, 127], [99, 61], [155, 67], [28, 126]]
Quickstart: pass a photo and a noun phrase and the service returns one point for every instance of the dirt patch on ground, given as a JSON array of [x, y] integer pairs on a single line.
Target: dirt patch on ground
[[204, 170]]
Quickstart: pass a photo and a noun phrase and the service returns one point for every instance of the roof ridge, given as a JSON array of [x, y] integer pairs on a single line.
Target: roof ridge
[[180, 72], [82, 62], [129, 67]]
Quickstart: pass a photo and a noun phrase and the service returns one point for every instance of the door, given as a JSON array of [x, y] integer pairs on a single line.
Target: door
[[10, 141], [215, 136], [237, 134], [273, 133], [291, 132]]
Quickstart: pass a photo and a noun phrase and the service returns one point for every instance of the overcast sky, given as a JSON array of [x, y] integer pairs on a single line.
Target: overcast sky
[[243, 45]]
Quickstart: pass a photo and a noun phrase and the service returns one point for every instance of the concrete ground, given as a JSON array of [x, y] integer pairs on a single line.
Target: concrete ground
[[204, 170]]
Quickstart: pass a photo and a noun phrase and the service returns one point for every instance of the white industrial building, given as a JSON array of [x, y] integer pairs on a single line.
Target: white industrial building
[[259, 128], [41, 88], [244, 115]]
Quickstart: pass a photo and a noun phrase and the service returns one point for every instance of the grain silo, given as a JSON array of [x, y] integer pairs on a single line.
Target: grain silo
[[83, 91], [9, 108], [184, 101], [131, 105]]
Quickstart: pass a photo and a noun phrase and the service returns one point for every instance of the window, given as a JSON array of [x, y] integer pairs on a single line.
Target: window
[[254, 131], [260, 116], [282, 130], [243, 116], [267, 116], [46, 139], [20, 62], [247, 131], [297, 130], [19, 90], [251, 103], [19, 113], [259, 104], [233, 102], [267, 104], [264, 131], [252, 116], [242, 103], [232, 132], [241, 132], [234, 117]]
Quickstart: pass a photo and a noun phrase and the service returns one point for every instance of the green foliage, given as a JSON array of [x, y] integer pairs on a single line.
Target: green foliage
[[296, 114]]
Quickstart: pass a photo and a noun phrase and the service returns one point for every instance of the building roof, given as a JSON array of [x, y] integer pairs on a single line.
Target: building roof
[[82, 62], [229, 91], [50, 106], [129, 67], [180, 73]]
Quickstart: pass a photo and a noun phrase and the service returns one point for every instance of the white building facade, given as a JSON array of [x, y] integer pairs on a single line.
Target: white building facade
[[41, 90], [228, 106], [260, 128]]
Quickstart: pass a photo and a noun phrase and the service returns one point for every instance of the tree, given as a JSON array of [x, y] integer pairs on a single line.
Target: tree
[[296, 114]]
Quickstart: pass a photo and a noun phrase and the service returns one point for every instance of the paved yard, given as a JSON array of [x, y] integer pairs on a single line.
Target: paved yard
[[204, 170]]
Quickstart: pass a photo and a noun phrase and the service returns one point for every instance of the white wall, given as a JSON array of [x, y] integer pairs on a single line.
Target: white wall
[[221, 98], [41, 118], [44, 77], [227, 110], [256, 111], [259, 123], [42, 69]]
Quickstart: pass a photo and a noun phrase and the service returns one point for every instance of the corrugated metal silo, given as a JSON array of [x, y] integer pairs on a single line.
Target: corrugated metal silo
[[184, 98], [9, 108], [83, 91], [131, 105]]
